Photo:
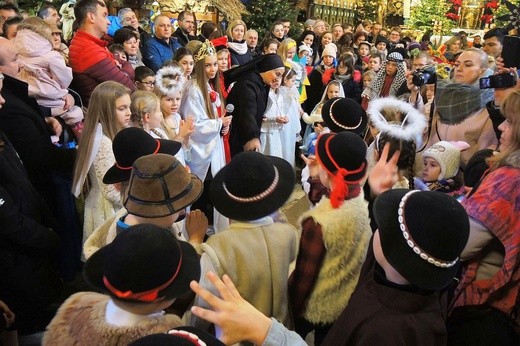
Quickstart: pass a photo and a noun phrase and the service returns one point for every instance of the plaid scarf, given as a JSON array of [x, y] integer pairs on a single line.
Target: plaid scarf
[[456, 101]]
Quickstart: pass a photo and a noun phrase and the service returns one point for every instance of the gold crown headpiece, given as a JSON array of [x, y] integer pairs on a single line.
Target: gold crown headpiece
[[205, 50]]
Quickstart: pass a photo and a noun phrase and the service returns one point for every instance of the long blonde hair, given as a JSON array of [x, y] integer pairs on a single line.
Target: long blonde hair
[[101, 110], [143, 102], [202, 80]]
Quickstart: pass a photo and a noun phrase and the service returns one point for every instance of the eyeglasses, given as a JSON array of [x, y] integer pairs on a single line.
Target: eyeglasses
[[147, 83]]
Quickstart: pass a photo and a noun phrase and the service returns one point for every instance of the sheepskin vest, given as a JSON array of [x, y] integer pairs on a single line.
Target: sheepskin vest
[[257, 258], [81, 321], [346, 233]]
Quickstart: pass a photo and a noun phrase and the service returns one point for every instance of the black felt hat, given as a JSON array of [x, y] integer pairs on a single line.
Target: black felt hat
[[180, 336], [345, 151], [130, 144], [422, 235], [144, 263], [252, 186], [344, 114]]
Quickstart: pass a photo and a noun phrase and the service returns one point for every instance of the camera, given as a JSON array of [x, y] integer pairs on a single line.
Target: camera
[[424, 76], [503, 80]]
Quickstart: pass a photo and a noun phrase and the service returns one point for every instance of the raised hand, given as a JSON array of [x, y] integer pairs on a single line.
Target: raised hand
[[385, 173], [237, 319]]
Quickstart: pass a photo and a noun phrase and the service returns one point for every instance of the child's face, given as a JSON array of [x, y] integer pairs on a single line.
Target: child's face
[[363, 50], [211, 66], [147, 84], [289, 82], [374, 131], [303, 53], [271, 49], [328, 60], [187, 64], [364, 65], [326, 39], [308, 40], [223, 62], [123, 110], [381, 46], [290, 53], [120, 55], [333, 91], [374, 64], [431, 170], [430, 91], [391, 68], [170, 104], [155, 117], [367, 81]]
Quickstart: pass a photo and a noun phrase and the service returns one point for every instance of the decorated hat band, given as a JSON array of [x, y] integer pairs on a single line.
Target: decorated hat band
[[146, 296], [410, 241], [258, 197], [340, 124]]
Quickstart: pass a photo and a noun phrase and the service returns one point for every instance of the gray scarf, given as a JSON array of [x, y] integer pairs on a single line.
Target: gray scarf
[[456, 101]]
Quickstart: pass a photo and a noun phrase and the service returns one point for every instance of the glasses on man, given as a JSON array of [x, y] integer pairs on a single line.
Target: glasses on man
[[152, 83]]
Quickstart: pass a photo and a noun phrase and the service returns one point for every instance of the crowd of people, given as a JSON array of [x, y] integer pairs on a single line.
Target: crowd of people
[[154, 167]]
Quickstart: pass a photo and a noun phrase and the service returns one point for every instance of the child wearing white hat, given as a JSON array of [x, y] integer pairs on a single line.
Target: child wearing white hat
[[440, 166]]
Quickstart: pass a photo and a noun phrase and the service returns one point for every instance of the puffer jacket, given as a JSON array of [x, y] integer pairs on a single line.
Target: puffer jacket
[[93, 64], [43, 68]]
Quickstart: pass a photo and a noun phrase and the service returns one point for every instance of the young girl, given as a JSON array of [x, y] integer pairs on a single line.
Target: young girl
[[319, 293], [108, 113], [203, 99], [275, 118], [347, 75], [169, 85], [46, 73], [441, 164], [291, 131], [185, 58]]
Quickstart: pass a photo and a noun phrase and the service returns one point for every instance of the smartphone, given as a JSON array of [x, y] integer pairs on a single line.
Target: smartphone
[[503, 80], [511, 51]]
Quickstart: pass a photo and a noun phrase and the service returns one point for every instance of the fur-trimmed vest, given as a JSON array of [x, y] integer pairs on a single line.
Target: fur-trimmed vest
[[346, 234], [81, 321], [257, 258]]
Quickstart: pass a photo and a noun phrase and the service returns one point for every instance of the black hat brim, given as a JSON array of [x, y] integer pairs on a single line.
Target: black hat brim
[[397, 252], [254, 210], [117, 175], [360, 130], [190, 270]]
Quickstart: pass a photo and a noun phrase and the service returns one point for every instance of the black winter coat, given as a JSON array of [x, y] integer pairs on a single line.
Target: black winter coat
[[29, 281], [249, 99]]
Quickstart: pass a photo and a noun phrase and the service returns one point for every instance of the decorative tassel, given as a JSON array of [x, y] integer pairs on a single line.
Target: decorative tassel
[[340, 189]]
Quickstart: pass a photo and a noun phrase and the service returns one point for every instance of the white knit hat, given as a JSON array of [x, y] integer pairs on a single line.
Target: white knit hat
[[447, 155], [304, 47], [330, 50]]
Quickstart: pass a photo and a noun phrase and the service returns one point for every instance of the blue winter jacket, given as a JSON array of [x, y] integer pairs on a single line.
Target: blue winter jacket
[[156, 51]]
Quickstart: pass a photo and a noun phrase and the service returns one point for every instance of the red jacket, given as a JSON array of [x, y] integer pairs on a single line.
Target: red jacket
[[93, 64]]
